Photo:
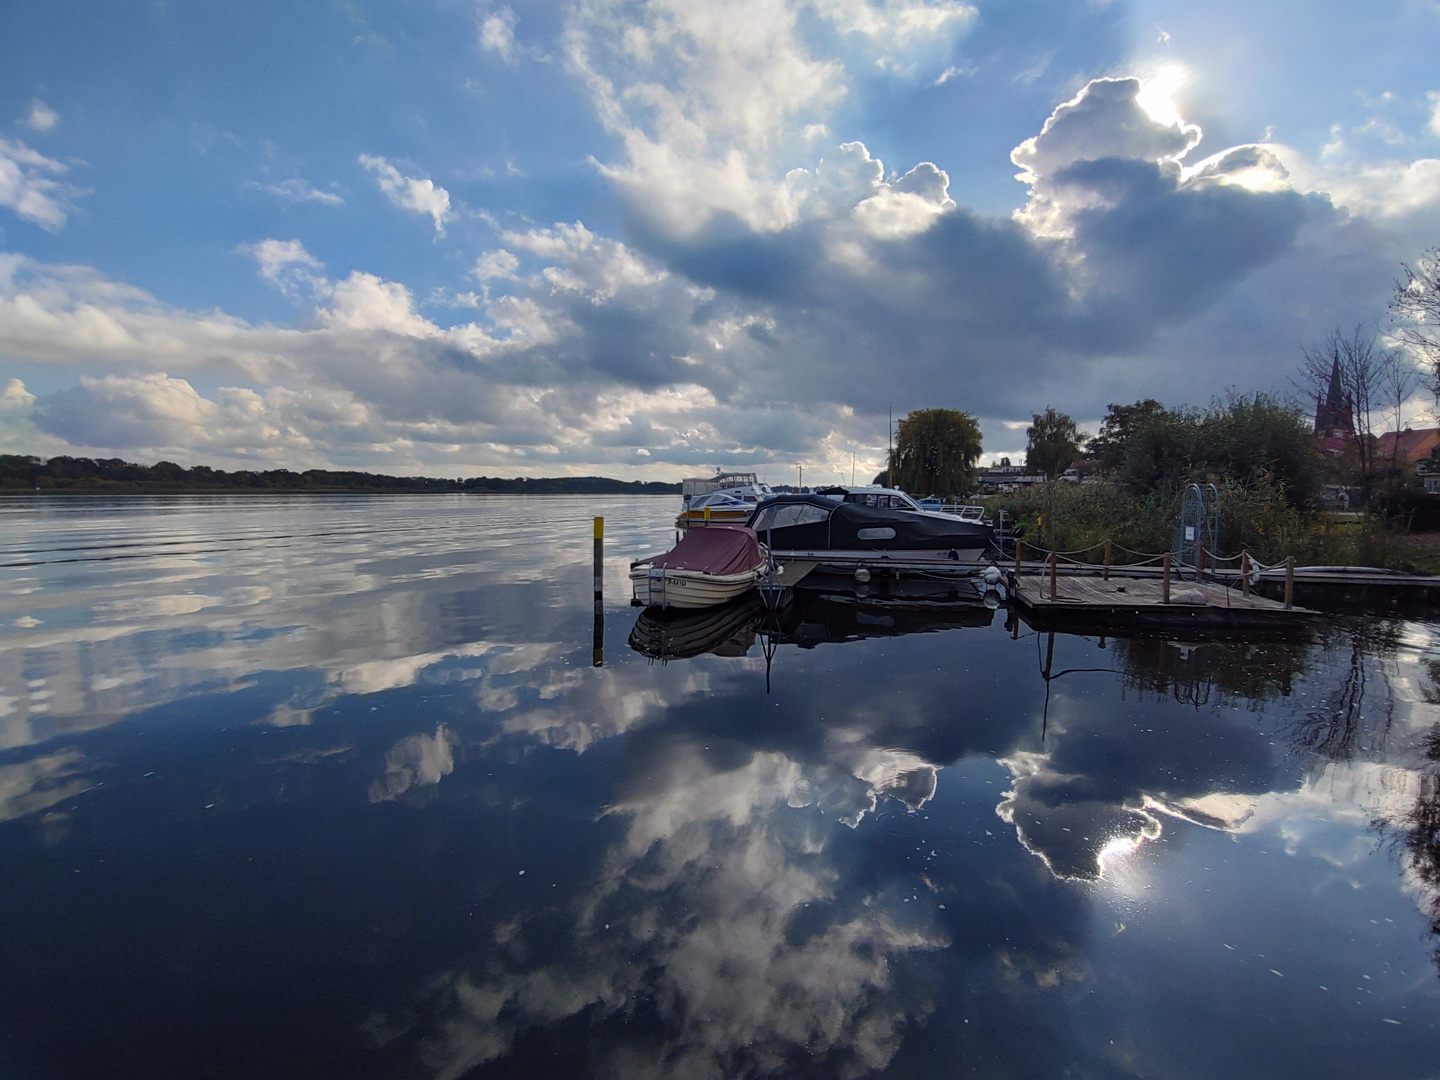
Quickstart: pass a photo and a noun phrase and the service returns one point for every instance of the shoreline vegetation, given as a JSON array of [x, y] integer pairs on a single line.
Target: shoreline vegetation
[[25, 474], [1254, 517]]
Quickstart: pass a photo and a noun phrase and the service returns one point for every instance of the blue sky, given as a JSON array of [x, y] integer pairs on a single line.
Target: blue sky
[[644, 238]]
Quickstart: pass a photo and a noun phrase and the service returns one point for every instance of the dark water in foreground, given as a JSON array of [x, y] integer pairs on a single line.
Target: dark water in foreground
[[327, 787]]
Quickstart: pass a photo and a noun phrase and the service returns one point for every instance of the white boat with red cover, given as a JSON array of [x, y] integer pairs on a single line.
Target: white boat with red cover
[[707, 567]]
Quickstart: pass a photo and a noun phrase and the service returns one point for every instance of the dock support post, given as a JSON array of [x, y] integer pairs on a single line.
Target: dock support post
[[1200, 561], [1244, 573], [598, 642], [1289, 581], [1107, 560], [1018, 545], [1165, 579], [1052, 575]]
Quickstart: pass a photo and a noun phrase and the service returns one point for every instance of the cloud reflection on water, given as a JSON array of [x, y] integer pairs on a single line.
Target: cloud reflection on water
[[756, 883]]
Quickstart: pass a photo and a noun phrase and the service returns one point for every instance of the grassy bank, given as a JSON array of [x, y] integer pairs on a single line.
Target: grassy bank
[[1257, 518]]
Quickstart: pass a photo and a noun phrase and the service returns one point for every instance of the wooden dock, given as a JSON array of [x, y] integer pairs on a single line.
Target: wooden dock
[[1136, 603]]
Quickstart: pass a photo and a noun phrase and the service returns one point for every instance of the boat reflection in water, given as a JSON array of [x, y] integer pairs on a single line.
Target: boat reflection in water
[[725, 630], [812, 618]]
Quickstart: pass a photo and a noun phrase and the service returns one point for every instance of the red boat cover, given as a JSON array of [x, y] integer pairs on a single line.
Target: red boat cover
[[715, 549]]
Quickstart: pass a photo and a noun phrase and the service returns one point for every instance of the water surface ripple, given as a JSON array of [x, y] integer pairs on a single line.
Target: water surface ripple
[[329, 787]]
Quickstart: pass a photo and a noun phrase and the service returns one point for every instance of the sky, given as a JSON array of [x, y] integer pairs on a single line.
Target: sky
[[651, 239]]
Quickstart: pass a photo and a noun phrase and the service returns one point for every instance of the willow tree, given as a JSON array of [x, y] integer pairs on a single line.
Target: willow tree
[[936, 451], [1053, 443]]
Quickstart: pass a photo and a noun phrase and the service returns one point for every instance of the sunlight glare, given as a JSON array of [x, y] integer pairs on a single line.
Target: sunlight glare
[[1156, 91]]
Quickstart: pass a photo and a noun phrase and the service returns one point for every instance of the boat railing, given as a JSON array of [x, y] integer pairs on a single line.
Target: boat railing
[[964, 511]]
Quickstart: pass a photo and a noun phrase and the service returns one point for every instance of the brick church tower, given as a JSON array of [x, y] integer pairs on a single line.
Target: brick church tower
[[1333, 416]]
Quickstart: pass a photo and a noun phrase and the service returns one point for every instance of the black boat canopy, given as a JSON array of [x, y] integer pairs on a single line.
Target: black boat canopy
[[817, 523]]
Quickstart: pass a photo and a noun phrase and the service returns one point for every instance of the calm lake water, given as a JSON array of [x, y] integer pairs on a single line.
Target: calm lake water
[[329, 788]]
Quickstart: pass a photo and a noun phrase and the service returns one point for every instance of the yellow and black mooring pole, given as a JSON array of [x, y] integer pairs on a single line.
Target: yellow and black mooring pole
[[599, 592]]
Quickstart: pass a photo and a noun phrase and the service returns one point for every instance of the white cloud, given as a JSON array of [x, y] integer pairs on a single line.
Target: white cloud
[[41, 117], [297, 190], [29, 187], [1434, 99], [705, 98], [496, 264], [366, 303], [739, 345], [15, 398], [899, 26], [411, 193], [288, 266], [1107, 119], [497, 32]]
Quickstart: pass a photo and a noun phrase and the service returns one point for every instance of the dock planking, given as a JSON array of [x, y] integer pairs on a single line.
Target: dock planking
[[1139, 602]]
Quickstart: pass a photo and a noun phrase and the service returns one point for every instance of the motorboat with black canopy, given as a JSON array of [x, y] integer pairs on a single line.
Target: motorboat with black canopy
[[850, 536]]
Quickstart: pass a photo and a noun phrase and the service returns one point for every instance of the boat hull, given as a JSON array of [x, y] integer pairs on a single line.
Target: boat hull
[[688, 589]]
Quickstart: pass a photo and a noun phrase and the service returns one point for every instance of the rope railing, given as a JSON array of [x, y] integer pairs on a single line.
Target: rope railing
[[1142, 558]]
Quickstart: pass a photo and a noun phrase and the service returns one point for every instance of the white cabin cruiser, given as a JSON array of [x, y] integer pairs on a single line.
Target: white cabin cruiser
[[727, 498]]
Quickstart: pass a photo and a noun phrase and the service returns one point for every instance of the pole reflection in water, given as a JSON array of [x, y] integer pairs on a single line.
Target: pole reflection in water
[[321, 787]]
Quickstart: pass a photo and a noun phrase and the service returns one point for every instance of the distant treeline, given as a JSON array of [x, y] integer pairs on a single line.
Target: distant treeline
[[21, 472]]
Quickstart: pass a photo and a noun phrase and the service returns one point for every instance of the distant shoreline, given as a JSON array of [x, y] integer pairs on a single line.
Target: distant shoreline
[[141, 489], [26, 475]]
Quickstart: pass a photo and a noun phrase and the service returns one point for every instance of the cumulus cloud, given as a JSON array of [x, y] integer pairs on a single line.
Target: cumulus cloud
[[734, 339], [288, 266], [41, 117], [420, 196], [714, 111], [15, 398], [297, 190], [496, 264], [497, 32], [30, 185], [364, 302]]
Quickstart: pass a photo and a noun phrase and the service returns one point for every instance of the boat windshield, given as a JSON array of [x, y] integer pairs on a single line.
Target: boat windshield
[[787, 514], [884, 500]]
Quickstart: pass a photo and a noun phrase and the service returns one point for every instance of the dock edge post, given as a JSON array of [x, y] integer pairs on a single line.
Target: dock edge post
[[1107, 560], [1165, 579], [1245, 573], [1052, 575], [1289, 582], [599, 639]]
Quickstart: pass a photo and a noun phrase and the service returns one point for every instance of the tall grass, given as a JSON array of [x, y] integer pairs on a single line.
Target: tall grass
[[1254, 516]]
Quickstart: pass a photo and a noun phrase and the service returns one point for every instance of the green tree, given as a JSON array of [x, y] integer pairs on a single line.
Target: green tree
[[1162, 454], [1054, 442], [936, 451], [1249, 437], [1245, 439], [1118, 428]]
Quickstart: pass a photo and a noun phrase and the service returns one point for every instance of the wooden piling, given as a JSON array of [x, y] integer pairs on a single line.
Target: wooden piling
[[1052, 575], [1106, 575], [598, 641], [1018, 545], [1289, 581], [1244, 573], [1165, 579]]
